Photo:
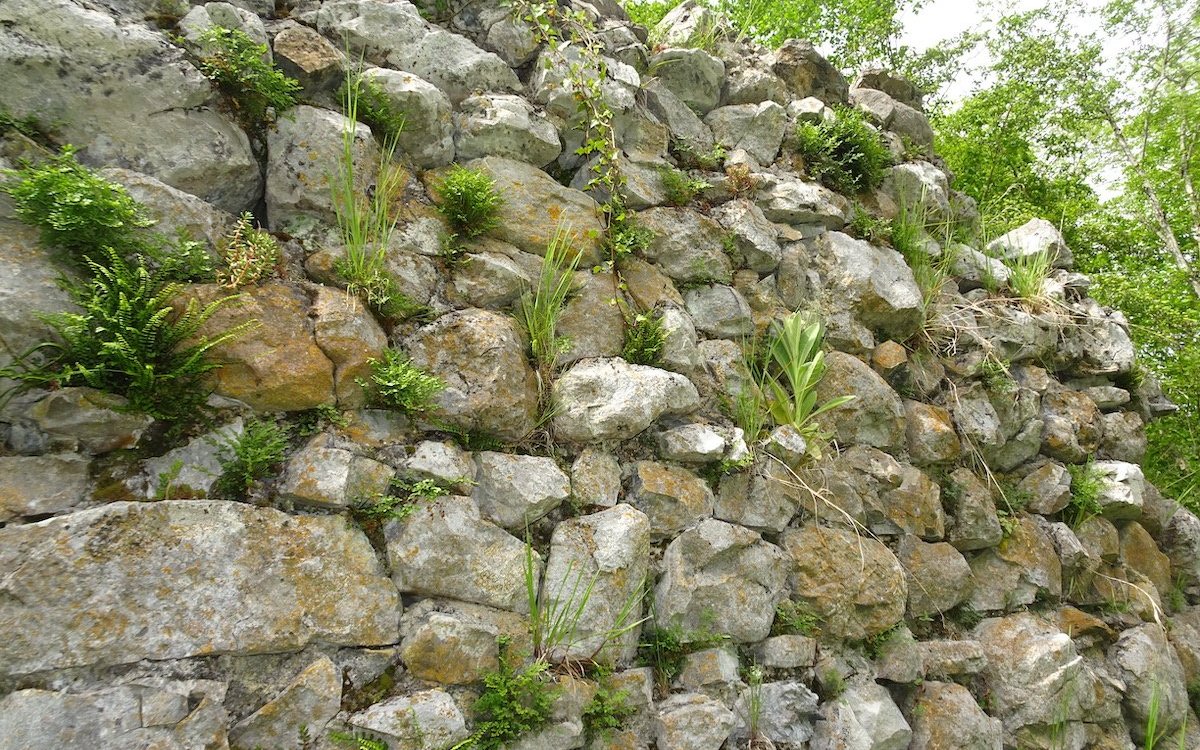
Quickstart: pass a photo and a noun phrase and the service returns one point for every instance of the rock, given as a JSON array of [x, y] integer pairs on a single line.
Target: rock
[[876, 415], [490, 387], [1004, 428], [514, 491], [719, 572], [346, 332], [973, 522], [201, 18], [148, 112], [1143, 659], [952, 658], [504, 125], [425, 720], [754, 128], [1124, 437], [719, 311], [898, 657], [807, 73], [1099, 344], [1032, 238], [276, 365], [855, 585], [752, 85], [304, 158], [592, 323], [974, 270], [1122, 487], [890, 497], [691, 443], [1073, 426], [608, 555], [938, 576], [608, 399], [673, 498], [786, 711], [1023, 566], [693, 75], [88, 420], [712, 671], [929, 430], [535, 207], [310, 700], [193, 578], [690, 721], [765, 497], [123, 716], [754, 238], [310, 58], [444, 462], [28, 286], [455, 643], [596, 478], [890, 114], [550, 85], [900, 89], [945, 715], [41, 485], [863, 717], [1181, 541], [1140, 552], [1048, 488], [445, 549], [875, 283], [428, 134], [173, 210], [790, 200], [493, 276], [687, 24], [322, 477], [687, 245], [681, 121]]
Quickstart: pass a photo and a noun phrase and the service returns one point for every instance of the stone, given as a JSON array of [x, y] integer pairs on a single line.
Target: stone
[[693, 75], [690, 721], [88, 420], [492, 277], [686, 245], [938, 576], [609, 399], [918, 187], [855, 585], [875, 416], [28, 286], [321, 477], [310, 700], [944, 659], [592, 323], [304, 158], [1033, 238], [276, 365], [712, 671], [974, 270], [765, 497], [1140, 552], [786, 652], [596, 478], [806, 73], [893, 115], [691, 443], [193, 578], [687, 24], [550, 84], [41, 485], [1143, 659], [310, 58], [1122, 487], [444, 548], [754, 238], [480, 355], [1124, 437], [346, 332], [877, 285], [535, 207], [863, 717], [425, 720], [1004, 428], [786, 711], [929, 430], [945, 715], [1073, 426], [897, 656], [504, 125], [891, 498], [149, 112], [680, 120], [755, 128], [1023, 566], [1099, 345], [173, 210], [443, 462], [719, 311], [673, 498], [752, 85], [973, 522], [513, 491], [428, 135], [224, 15], [790, 200], [454, 643], [1048, 488], [1181, 541], [719, 572], [1099, 536]]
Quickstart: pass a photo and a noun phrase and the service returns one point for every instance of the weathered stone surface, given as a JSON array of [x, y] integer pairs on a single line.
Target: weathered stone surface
[[493, 275], [1073, 426], [855, 585], [690, 721], [147, 112], [673, 498], [691, 443], [347, 333], [425, 720], [310, 58], [929, 430], [807, 73], [304, 151], [1048, 487], [310, 700], [454, 643], [1098, 344], [687, 245], [608, 399], [897, 656], [875, 416], [787, 652], [88, 420], [749, 84], [1140, 552], [893, 115], [721, 572], [681, 121], [719, 311], [428, 135], [786, 711], [974, 270], [323, 477], [754, 128], [863, 717], [790, 200], [225, 15], [1032, 238], [973, 522], [276, 365], [514, 491], [938, 576], [504, 125], [27, 287], [173, 210], [193, 577], [480, 355], [445, 549], [608, 554], [693, 75], [535, 207], [592, 323], [1016, 571], [920, 188], [891, 498], [952, 658], [1154, 680], [945, 715], [765, 497], [1004, 427], [1122, 488], [41, 485], [596, 478], [754, 238], [874, 283], [1124, 437]]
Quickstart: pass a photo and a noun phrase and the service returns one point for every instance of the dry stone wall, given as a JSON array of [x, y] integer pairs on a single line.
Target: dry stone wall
[[919, 581]]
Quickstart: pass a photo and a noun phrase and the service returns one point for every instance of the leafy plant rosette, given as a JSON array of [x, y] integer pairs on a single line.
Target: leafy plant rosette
[[796, 365]]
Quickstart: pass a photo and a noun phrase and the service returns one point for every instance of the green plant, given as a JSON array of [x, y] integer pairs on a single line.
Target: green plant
[[468, 200], [873, 229], [649, 12], [678, 188], [166, 480], [400, 500], [401, 385], [517, 699], [607, 710], [1086, 486], [250, 254], [29, 126], [236, 63], [664, 648], [797, 366], [357, 741], [250, 456], [832, 683], [76, 209], [374, 107], [644, 338], [539, 309], [995, 376], [845, 153], [179, 258], [873, 646], [795, 618], [128, 339], [626, 237], [754, 706], [1027, 275]]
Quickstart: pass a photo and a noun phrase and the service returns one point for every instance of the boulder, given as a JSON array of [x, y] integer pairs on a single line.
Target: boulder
[[1073, 426], [806, 73], [973, 523], [875, 284], [691, 721], [863, 717], [680, 120], [173, 210], [1030, 239], [687, 245], [514, 491], [945, 715], [428, 135], [1013, 574], [504, 125], [938, 576], [323, 477], [673, 498], [719, 311], [303, 54], [596, 478], [785, 199], [609, 399], [87, 420], [929, 430], [875, 416], [424, 720], [693, 75], [454, 643], [889, 114], [41, 485], [756, 129], [1154, 682], [310, 700], [28, 286], [754, 238], [1122, 488]]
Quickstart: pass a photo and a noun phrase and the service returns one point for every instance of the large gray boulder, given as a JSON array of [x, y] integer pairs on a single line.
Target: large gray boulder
[[945, 715], [673, 498], [687, 245], [504, 125], [807, 73], [428, 135], [1033, 238], [174, 210], [41, 485], [424, 720], [693, 75], [890, 114], [692, 721], [863, 718], [1016, 572], [310, 700], [514, 491], [192, 577], [787, 199], [1154, 680], [756, 129], [609, 399], [875, 416]]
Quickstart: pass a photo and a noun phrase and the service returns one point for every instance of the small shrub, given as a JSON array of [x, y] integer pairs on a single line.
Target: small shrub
[[235, 62], [468, 200], [995, 376], [251, 456], [664, 649], [846, 154], [401, 385], [644, 338], [400, 500], [678, 188], [831, 684], [517, 699], [1086, 486], [607, 710], [76, 209], [797, 366], [539, 309], [29, 126], [794, 618], [250, 254], [178, 258], [376, 108], [1027, 275], [626, 237], [742, 183], [873, 229], [649, 12]]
